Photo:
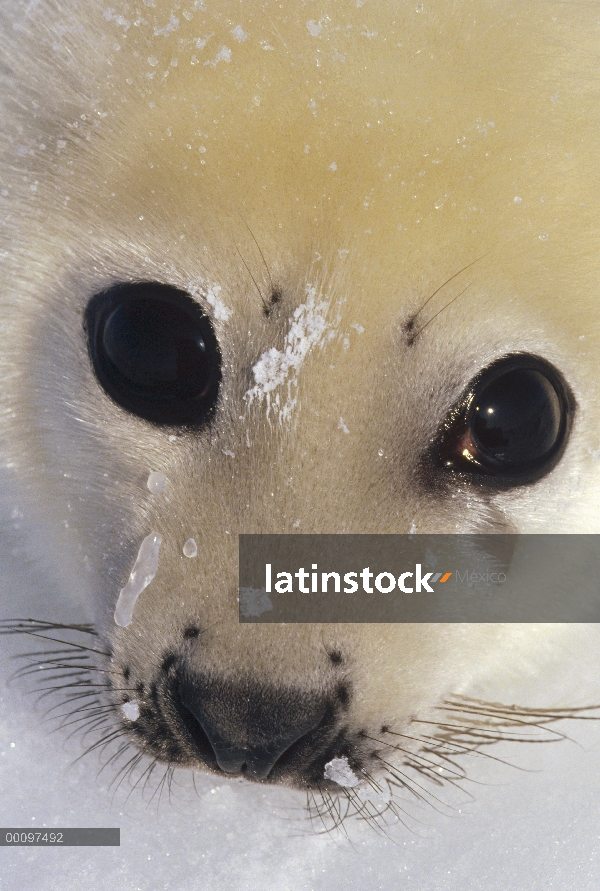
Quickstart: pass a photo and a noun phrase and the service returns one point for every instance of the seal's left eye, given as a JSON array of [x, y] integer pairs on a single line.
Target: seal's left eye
[[516, 419], [154, 352], [511, 425]]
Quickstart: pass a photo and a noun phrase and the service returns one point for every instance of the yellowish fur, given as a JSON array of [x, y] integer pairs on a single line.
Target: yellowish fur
[[394, 160]]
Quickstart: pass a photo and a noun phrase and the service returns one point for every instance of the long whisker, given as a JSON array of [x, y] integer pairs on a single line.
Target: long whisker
[[253, 237], [447, 282], [263, 301], [415, 334]]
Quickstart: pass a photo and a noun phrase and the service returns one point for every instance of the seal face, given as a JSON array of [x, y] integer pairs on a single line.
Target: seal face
[[262, 273]]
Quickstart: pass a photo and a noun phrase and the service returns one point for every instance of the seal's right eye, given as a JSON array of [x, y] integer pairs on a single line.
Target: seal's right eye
[[154, 351]]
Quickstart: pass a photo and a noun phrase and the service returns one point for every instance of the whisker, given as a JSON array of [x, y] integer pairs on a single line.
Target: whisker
[[447, 282], [263, 301], [459, 774], [125, 771], [423, 795], [253, 237], [415, 334]]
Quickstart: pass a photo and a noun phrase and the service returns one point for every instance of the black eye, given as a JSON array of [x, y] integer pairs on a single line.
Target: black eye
[[155, 352], [512, 423]]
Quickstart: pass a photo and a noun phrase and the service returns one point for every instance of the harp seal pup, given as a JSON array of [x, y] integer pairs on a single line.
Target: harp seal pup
[[358, 209]]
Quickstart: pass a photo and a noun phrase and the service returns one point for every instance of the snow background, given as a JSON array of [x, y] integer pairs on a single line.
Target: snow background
[[533, 826]]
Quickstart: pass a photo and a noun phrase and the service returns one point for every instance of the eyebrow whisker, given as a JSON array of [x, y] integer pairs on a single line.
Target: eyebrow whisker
[[253, 237], [413, 335], [447, 282], [262, 299]]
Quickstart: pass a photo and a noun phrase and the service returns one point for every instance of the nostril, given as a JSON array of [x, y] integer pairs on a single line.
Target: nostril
[[249, 727]]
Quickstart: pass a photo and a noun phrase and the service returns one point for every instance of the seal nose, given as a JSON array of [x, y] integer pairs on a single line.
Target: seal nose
[[249, 726]]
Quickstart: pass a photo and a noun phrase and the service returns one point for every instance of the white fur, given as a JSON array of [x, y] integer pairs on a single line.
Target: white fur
[[357, 156]]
